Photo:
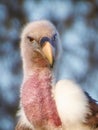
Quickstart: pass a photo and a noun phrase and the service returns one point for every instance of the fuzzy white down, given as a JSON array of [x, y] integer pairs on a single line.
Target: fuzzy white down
[[71, 102]]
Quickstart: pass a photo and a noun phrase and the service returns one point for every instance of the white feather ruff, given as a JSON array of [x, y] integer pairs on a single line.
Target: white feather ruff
[[23, 120], [71, 102]]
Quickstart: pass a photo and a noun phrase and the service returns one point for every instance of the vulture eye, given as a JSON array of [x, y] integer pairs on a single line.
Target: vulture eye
[[31, 39], [54, 37]]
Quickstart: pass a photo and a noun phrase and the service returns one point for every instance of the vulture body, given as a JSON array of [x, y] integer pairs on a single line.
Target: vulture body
[[44, 103]]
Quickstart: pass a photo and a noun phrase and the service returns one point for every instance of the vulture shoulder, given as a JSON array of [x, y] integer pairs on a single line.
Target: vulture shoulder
[[23, 123], [92, 119]]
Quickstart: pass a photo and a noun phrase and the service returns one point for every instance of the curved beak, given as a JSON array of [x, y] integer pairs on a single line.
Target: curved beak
[[48, 51]]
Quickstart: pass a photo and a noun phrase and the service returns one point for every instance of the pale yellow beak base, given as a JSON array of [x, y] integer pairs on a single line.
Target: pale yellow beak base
[[48, 51]]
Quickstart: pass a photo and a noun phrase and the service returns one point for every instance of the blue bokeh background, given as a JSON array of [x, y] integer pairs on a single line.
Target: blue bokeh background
[[77, 23]]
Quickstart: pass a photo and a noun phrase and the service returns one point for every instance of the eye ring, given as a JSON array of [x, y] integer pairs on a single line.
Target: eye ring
[[31, 39]]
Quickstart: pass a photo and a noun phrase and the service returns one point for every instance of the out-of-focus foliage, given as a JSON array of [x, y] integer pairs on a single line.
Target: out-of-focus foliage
[[77, 23]]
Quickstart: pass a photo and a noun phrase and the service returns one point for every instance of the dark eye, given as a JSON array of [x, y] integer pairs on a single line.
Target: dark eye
[[54, 37], [31, 39]]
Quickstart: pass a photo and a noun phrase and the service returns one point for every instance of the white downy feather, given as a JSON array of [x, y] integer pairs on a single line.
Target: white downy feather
[[23, 120], [72, 104]]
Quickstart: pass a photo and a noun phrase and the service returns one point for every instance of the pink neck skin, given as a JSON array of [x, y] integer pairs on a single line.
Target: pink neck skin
[[37, 99]]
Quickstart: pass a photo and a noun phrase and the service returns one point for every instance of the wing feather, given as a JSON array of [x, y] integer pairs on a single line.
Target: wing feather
[[92, 119]]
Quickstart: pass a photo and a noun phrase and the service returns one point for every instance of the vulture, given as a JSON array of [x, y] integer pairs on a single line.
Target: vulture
[[45, 103]]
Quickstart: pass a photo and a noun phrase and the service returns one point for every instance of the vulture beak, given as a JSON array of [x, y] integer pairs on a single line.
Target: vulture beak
[[48, 51]]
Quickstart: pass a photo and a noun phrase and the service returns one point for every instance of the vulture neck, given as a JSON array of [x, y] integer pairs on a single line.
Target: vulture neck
[[39, 65], [37, 94]]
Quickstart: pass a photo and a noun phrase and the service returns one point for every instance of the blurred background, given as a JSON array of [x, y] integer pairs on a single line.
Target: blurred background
[[77, 23]]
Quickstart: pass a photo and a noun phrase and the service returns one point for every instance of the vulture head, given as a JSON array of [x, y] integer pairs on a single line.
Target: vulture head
[[40, 45], [45, 104]]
